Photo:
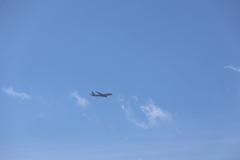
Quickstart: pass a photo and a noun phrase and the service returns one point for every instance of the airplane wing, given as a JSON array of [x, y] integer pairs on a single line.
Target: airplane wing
[[98, 92]]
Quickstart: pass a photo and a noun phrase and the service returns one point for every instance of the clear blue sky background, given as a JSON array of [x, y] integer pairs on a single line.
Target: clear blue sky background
[[172, 52]]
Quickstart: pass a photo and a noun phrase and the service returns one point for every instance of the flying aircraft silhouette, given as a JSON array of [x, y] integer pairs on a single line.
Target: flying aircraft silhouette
[[99, 94]]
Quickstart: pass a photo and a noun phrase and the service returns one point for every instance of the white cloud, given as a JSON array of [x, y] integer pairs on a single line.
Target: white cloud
[[153, 112], [150, 111], [232, 67], [82, 102], [136, 99], [132, 118], [13, 93], [120, 99]]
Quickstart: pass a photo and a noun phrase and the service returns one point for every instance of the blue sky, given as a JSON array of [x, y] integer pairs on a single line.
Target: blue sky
[[173, 68]]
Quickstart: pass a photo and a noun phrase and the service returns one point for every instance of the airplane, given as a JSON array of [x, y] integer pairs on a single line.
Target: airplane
[[99, 94]]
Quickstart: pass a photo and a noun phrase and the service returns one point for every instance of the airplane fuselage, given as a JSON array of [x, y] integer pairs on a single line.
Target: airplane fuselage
[[99, 94]]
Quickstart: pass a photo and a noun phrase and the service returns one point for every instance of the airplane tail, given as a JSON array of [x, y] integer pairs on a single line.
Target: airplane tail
[[92, 93]]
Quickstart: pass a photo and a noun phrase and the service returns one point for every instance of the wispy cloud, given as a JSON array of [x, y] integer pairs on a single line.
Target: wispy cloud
[[153, 112], [232, 67], [150, 111], [132, 117], [82, 102], [135, 98], [13, 93]]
